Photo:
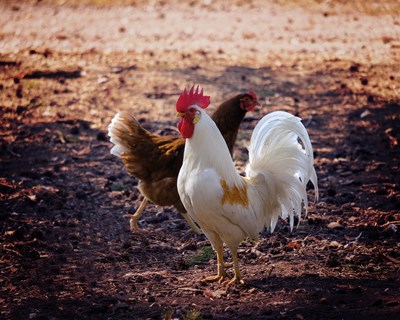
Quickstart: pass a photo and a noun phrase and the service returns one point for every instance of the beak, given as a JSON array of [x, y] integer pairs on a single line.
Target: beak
[[179, 114]]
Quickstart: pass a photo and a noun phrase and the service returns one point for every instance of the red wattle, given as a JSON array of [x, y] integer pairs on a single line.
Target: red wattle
[[186, 128], [250, 107]]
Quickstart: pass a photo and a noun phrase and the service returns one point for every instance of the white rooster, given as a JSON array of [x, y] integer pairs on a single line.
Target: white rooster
[[228, 207]]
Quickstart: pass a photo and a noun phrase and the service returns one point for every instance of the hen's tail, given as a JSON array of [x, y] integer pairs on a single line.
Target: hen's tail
[[280, 149], [131, 142], [121, 127], [125, 131]]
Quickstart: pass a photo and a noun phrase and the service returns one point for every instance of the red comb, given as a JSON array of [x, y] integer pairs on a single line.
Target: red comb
[[192, 98], [253, 95]]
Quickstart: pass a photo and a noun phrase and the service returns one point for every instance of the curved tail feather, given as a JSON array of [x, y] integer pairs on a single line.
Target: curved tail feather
[[280, 149], [122, 126]]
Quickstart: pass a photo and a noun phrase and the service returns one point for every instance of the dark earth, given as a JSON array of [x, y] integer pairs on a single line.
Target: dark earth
[[66, 67]]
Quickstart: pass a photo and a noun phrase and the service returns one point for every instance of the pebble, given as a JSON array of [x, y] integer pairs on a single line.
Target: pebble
[[334, 245], [334, 225]]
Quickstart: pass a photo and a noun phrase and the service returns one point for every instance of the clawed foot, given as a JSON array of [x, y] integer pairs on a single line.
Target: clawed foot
[[223, 279], [234, 280], [219, 277], [133, 222], [134, 218]]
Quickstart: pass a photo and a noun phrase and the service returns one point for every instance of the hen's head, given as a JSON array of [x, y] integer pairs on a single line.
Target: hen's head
[[187, 108], [248, 101]]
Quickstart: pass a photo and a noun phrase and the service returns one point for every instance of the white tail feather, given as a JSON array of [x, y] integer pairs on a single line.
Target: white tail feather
[[280, 149], [114, 128]]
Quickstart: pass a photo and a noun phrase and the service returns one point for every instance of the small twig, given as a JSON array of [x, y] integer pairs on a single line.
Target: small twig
[[13, 251], [24, 243], [140, 263], [188, 289], [270, 272], [122, 69], [281, 255], [397, 222], [356, 238], [9, 149], [308, 122], [391, 259]]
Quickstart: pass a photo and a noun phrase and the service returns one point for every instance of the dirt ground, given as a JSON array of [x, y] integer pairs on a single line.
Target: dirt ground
[[66, 67]]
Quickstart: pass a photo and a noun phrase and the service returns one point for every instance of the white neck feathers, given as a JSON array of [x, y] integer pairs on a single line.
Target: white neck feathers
[[207, 149]]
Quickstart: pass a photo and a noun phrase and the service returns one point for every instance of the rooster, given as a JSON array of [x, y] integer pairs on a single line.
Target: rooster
[[228, 207], [156, 160]]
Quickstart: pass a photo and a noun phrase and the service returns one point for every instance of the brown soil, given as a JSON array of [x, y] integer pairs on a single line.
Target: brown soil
[[65, 69]]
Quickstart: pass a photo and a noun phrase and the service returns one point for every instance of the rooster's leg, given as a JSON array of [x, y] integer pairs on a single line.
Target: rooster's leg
[[237, 278], [134, 218], [221, 269], [191, 223]]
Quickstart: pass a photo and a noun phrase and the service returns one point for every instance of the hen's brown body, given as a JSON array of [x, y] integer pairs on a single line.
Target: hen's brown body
[[156, 160]]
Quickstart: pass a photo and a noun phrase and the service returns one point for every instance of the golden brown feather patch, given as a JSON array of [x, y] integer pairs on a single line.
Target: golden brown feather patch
[[234, 195]]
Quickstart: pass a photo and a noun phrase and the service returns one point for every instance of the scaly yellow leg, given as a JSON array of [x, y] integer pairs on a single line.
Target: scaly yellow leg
[[134, 218], [237, 278], [221, 269], [191, 223]]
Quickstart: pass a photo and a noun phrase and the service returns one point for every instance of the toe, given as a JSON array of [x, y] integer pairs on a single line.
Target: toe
[[233, 281], [212, 279]]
